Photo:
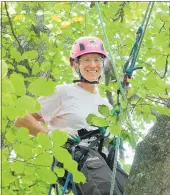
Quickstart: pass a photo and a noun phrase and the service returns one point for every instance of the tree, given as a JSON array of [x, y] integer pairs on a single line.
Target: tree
[[36, 40], [150, 170]]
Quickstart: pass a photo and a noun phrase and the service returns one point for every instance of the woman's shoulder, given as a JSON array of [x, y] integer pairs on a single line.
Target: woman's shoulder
[[64, 87]]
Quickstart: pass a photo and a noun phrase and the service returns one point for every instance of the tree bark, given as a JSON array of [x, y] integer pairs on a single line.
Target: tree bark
[[150, 172]]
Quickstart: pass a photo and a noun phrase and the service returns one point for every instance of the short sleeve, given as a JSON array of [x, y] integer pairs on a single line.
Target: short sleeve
[[50, 105]]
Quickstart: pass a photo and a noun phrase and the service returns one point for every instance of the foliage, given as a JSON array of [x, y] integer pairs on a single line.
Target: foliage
[[36, 42]]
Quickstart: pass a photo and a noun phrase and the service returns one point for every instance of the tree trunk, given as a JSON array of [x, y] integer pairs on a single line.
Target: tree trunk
[[150, 172]]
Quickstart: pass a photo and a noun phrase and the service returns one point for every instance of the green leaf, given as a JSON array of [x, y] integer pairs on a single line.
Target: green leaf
[[22, 134], [7, 177], [4, 69], [30, 55], [45, 174], [90, 118], [10, 66], [18, 82], [27, 181], [18, 167], [22, 68], [42, 87], [36, 68], [44, 141], [112, 119], [29, 170], [61, 154], [115, 129], [26, 103], [12, 112], [38, 150], [7, 86], [79, 177], [71, 165], [104, 110], [100, 122], [10, 136], [8, 99], [15, 54], [58, 138], [162, 110], [59, 171], [23, 151], [44, 159], [4, 124]]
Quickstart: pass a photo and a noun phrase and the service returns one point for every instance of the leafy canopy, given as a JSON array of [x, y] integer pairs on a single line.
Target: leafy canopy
[[36, 42]]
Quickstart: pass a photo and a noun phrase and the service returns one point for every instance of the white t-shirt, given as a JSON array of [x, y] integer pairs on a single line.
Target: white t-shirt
[[68, 108]]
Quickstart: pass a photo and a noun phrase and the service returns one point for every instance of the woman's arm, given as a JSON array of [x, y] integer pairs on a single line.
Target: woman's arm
[[31, 121]]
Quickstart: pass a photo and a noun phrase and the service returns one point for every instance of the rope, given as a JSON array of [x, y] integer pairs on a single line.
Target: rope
[[122, 91], [140, 34], [116, 154], [66, 183], [139, 38], [147, 16], [110, 54]]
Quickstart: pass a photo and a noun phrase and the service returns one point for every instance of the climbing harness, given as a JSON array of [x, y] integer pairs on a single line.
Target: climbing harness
[[128, 69], [74, 142]]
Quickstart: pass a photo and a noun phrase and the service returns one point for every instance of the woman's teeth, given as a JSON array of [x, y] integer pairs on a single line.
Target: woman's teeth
[[92, 71]]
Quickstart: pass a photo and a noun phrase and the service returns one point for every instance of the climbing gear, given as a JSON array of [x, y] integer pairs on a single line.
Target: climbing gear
[[91, 163], [85, 45], [129, 66]]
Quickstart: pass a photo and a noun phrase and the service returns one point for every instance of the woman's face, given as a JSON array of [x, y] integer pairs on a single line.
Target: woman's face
[[90, 67]]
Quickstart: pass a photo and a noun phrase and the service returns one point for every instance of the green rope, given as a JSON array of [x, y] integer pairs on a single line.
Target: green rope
[[116, 153], [110, 54]]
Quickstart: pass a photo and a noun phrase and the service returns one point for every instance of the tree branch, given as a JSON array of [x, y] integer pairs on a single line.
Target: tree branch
[[120, 13], [154, 100], [166, 67], [134, 105], [163, 26], [12, 29]]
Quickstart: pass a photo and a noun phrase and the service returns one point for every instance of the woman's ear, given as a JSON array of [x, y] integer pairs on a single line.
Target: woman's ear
[[75, 66]]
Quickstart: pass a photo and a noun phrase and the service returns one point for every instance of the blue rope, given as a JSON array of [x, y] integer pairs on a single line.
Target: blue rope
[[66, 183], [130, 63]]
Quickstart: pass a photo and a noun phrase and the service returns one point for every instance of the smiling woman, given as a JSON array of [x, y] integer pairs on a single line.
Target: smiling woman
[[70, 105], [90, 66], [68, 108]]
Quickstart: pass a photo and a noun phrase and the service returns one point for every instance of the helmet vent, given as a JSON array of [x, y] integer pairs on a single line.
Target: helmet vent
[[102, 48], [81, 47]]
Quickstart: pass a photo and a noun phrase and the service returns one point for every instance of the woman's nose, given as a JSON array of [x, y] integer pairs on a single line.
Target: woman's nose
[[93, 63]]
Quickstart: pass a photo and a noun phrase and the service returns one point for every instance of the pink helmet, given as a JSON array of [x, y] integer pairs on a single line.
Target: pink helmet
[[85, 45]]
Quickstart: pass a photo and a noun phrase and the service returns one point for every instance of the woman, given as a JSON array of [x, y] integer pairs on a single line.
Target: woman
[[68, 108]]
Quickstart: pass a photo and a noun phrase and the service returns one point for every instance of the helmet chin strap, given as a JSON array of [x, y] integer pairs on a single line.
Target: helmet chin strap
[[82, 79]]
